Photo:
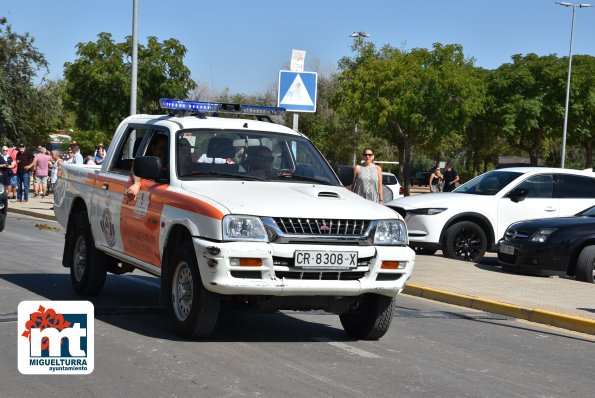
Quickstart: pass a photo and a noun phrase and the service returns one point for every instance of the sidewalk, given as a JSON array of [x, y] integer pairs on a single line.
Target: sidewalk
[[559, 302]]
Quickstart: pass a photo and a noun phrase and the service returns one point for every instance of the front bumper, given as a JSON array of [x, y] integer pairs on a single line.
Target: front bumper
[[534, 258], [278, 277]]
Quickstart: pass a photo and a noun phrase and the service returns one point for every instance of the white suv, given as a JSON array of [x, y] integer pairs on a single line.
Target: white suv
[[466, 223]]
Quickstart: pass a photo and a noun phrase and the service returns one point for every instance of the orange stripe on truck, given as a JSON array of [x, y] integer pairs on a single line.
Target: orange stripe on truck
[[188, 203]]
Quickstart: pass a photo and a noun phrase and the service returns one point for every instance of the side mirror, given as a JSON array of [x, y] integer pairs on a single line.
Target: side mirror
[[345, 174], [148, 167], [518, 194]]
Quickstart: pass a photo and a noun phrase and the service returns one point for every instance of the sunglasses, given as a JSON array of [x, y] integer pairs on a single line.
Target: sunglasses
[[368, 154]]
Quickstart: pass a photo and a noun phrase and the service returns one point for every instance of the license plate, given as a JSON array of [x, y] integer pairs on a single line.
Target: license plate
[[506, 249], [323, 259]]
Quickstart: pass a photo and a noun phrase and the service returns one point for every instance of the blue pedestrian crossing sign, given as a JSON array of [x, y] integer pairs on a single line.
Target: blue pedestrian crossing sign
[[297, 91]]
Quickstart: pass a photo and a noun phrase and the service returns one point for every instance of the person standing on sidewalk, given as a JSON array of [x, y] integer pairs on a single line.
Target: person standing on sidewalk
[[451, 177], [5, 167], [57, 158], [42, 161], [12, 191], [77, 158], [25, 162], [435, 179], [367, 179]]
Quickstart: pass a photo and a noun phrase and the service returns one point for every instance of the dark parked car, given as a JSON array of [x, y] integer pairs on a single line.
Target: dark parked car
[[421, 178], [552, 246], [3, 206]]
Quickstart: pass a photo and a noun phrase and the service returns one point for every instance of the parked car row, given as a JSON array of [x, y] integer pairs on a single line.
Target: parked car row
[[480, 216]]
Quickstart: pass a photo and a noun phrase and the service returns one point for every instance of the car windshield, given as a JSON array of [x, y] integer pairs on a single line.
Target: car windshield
[[253, 155], [488, 184]]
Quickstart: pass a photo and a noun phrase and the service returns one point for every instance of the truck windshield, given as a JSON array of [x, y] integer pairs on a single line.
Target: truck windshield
[[489, 183], [256, 155]]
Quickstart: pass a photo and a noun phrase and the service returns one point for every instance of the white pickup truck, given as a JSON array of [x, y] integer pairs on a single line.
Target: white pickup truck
[[231, 211]]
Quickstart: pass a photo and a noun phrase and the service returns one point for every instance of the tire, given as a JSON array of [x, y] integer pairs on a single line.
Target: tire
[[585, 265], [192, 309], [465, 241], [88, 266], [370, 317]]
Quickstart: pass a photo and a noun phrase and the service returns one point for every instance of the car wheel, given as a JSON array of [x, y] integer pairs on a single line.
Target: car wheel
[[424, 251], [193, 310], [585, 266], [465, 241], [88, 268], [370, 317]]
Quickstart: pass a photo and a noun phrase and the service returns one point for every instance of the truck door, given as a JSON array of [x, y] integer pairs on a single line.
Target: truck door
[[141, 217], [110, 187]]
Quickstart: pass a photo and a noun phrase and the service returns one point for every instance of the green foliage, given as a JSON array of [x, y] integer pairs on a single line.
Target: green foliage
[[88, 140], [98, 87], [27, 113]]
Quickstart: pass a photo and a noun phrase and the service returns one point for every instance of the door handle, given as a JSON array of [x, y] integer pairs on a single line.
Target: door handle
[[105, 186], [550, 209]]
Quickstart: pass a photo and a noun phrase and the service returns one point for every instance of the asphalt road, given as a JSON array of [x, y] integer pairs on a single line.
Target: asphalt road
[[431, 350]]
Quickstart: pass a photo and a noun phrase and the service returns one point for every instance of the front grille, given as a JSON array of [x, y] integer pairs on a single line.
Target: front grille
[[511, 234], [322, 276], [319, 226]]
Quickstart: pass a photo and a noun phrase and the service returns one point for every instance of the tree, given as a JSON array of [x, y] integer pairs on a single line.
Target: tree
[[529, 94], [98, 81], [581, 119], [27, 113], [416, 97]]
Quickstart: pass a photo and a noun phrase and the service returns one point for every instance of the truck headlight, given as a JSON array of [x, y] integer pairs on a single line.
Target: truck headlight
[[390, 232], [243, 228], [542, 234]]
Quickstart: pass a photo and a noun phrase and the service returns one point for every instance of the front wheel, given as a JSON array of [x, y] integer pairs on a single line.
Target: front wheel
[[585, 265], [88, 268], [370, 317], [465, 241], [193, 310]]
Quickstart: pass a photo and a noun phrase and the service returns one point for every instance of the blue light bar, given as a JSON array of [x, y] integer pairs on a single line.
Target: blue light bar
[[258, 110], [179, 105], [253, 110]]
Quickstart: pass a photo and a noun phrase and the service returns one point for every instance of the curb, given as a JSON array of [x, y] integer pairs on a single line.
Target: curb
[[577, 324], [31, 213]]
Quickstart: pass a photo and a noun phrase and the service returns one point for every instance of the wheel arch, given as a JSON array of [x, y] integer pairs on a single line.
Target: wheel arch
[[177, 234], [476, 218]]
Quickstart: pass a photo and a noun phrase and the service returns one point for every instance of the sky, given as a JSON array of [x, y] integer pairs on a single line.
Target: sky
[[242, 45]]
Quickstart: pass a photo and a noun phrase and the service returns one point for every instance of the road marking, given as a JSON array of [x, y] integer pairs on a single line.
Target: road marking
[[348, 348]]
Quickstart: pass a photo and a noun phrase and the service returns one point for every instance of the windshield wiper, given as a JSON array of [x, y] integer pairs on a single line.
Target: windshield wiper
[[301, 178]]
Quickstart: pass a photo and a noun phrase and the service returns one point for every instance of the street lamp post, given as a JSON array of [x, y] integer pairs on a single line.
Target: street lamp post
[[358, 37], [574, 6]]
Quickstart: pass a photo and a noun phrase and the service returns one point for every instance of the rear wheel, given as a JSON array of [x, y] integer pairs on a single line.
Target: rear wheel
[[192, 309], [465, 241], [370, 317], [585, 265], [88, 268]]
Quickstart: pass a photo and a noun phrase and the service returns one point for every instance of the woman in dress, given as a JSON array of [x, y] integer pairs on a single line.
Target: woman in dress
[[367, 179]]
